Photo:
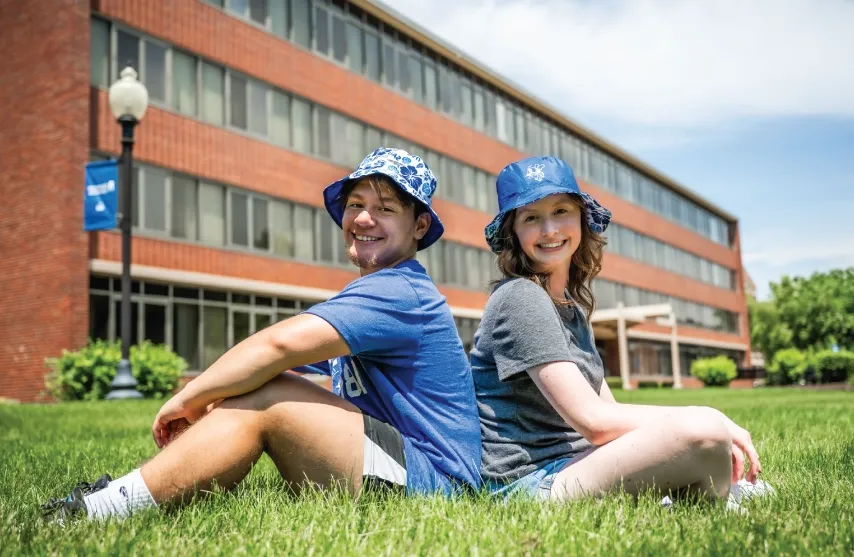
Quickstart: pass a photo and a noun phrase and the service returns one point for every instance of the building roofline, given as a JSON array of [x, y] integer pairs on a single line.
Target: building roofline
[[393, 18]]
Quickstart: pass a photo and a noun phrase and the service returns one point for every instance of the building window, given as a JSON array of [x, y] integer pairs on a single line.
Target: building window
[[185, 327], [321, 31], [258, 11], [415, 76], [239, 219], [184, 218], [237, 101], [213, 94], [153, 210], [260, 224], [430, 85], [301, 22], [322, 144], [354, 47], [339, 38], [237, 7], [372, 56], [154, 74], [403, 72], [280, 121], [212, 213], [326, 229], [258, 107], [301, 118], [184, 83], [215, 336], [389, 62], [283, 237], [99, 53], [303, 232], [279, 17], [127, 51]]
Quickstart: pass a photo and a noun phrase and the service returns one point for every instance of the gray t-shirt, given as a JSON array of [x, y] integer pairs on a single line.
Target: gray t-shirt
[[521, 328]]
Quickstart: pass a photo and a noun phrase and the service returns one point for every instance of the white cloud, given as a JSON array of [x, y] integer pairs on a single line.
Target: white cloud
[[660, 62], [841, 254]]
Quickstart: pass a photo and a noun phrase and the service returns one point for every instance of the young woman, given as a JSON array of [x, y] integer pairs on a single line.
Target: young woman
[[549, 424]]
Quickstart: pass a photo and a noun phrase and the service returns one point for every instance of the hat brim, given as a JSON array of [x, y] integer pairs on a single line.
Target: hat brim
[[598, 217], [332, 193]]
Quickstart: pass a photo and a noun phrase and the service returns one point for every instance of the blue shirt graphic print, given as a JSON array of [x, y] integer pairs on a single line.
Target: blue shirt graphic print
[[408, 368]]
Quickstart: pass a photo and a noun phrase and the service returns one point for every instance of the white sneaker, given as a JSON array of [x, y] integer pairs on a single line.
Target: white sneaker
[[744, 491], [739, 492]]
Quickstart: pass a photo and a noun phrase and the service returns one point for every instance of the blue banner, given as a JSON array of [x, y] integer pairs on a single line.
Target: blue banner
[[102, 195]]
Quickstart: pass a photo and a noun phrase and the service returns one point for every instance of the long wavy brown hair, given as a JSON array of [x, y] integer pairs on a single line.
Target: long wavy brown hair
[[586, 262]]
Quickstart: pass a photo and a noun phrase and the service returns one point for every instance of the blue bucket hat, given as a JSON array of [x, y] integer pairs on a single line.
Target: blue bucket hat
[[532, 179], [407, 171]]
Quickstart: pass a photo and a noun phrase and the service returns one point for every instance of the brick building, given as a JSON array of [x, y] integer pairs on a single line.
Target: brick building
[[256, 105]]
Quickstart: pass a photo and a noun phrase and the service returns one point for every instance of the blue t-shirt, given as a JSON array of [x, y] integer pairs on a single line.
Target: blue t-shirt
[[408, 369]]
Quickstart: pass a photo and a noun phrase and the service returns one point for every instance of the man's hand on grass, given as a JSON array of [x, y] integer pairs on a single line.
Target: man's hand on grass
[[173, 418]]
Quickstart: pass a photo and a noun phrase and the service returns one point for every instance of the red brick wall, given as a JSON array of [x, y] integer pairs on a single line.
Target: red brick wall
[[47, 135], [44, 95], [200, 28]]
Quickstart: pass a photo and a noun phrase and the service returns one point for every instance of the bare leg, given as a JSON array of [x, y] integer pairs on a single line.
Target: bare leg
[[689, 455], [309, 433]]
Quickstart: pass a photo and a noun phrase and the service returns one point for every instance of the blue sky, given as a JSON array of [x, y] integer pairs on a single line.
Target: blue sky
[[750, 104]]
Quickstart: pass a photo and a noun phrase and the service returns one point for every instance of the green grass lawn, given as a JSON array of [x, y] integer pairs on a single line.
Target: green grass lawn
[[805, 439]]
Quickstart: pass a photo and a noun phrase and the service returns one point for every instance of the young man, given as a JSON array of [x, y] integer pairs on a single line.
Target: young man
[[405, 414]]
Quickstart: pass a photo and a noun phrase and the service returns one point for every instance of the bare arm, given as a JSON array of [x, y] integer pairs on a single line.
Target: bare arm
[[599, 419], [605, 393], [298, 341]]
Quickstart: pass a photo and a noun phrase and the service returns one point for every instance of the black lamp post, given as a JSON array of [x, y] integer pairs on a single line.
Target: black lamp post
[[128, 101]]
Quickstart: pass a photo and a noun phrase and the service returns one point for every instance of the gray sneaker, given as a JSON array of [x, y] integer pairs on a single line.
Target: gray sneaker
[[60, 510]]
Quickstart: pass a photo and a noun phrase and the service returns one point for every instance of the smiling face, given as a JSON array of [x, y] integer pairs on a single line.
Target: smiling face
[[549, 231], [380, 227]]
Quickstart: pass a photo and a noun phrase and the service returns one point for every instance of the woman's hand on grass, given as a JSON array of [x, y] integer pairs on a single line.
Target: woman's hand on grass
[[742, 448]]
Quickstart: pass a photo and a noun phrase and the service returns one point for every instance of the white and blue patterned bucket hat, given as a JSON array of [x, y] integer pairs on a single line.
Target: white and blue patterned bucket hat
[[532, 179], [407, 171]]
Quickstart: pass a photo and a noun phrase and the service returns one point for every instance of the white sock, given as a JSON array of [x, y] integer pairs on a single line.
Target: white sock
[[121, 498]]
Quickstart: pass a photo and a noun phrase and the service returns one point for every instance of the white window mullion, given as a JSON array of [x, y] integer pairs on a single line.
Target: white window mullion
[[167, 204], [228, 218], [140, 198], [167, 76], [140, 71], [114, 54], [250, 222], [227, 98]]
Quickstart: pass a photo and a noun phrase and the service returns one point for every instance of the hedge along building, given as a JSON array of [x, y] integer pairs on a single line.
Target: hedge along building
[[254, 107]]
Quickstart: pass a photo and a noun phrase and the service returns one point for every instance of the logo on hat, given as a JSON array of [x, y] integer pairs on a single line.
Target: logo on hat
[[535, 172]]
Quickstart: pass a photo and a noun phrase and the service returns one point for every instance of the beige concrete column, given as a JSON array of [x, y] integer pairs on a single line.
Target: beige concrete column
[[674, 353], [623, 346]]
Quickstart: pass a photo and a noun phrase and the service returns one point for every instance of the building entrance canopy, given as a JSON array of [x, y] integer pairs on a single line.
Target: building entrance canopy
[[610, 324]]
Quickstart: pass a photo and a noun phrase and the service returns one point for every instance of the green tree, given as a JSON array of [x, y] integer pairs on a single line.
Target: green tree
[[819, 310], [809, 314], [768, 333]]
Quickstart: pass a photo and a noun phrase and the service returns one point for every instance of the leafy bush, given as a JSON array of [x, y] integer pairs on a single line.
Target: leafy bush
[[788, 366], [714, 372], [655, 384], [833, 367], [614, 382], [86, 374]]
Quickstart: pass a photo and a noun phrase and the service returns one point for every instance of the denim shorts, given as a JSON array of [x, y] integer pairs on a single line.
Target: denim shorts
[[537, 484]]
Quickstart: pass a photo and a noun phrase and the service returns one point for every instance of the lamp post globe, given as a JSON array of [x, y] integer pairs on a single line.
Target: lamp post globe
[[128, 97], [128, 102]]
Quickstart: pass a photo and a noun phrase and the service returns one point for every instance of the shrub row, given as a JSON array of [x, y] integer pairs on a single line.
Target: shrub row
[[825, 366], [86, 374]]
